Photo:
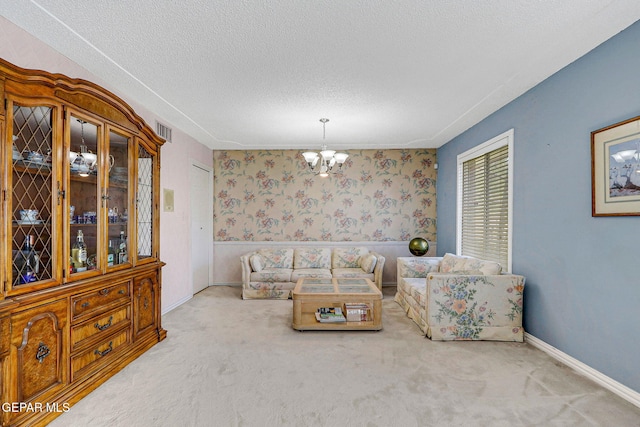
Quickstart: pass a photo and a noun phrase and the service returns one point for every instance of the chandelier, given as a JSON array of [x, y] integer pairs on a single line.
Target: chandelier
[[323, 163]]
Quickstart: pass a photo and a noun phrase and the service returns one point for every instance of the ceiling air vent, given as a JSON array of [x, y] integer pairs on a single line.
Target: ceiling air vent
[[163, 131]]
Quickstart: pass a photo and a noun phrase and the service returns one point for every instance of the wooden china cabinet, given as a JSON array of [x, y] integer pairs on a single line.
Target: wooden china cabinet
[[79, 243]]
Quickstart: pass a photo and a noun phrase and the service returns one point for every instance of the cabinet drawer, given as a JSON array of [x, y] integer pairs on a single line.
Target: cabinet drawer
[[98, 326], [100, 298], [83, 362]]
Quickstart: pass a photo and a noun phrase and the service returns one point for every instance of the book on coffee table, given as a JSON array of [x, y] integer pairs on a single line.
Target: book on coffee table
[[330, 315], [358, 312]]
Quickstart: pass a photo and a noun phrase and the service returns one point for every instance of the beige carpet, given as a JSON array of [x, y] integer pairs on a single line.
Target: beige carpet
[[229, 362]]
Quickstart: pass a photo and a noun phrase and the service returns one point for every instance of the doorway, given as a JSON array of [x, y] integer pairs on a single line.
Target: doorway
[[201, 196]]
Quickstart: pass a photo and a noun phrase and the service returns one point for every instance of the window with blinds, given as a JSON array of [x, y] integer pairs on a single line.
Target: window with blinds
[[484, 201]]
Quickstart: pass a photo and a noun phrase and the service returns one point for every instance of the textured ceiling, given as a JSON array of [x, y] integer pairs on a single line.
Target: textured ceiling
[[242, 74]]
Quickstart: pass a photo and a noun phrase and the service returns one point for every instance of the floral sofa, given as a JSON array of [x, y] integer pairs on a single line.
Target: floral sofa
[[461, 298], [273, 273]]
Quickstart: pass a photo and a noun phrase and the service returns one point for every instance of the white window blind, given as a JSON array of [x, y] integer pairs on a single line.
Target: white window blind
[[484, 201]]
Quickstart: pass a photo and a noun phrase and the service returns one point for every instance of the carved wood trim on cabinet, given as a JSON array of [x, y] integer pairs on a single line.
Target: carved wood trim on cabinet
[[39, 353], [145, 289]]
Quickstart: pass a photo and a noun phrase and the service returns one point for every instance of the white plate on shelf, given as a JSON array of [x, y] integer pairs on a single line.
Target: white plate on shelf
[[28, 222]]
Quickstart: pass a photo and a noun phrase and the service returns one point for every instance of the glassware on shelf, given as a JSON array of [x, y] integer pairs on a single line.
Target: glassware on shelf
[[90, 217], [113, 215]]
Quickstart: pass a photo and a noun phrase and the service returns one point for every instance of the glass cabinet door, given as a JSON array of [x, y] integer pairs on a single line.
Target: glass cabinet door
[[84, 195], [35, 193], [117, 200], [145, 203]]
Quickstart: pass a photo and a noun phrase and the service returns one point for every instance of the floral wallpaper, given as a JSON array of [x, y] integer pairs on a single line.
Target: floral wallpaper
[[381, 195]]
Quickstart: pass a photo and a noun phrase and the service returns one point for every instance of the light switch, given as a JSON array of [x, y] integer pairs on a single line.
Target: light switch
[[168, 200]]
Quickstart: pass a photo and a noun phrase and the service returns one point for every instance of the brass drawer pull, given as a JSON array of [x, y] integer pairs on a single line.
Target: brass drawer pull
[[43, 351], [85, 304], [121, 291], [105, 326], [105, 352], [105, 291]]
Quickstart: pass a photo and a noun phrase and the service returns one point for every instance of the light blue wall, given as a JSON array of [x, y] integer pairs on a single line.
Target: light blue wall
[[582, 292]]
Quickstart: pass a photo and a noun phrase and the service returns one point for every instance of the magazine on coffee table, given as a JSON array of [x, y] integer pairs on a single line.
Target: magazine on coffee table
[[330, 315], [358, 312]]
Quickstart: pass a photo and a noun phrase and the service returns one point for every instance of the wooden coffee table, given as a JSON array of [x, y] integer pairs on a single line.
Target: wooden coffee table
[[312, 293]]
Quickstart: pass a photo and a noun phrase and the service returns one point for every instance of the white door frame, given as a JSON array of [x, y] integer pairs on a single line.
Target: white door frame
[[210, 248]]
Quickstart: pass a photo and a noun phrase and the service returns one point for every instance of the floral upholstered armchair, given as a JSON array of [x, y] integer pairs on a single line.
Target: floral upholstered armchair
[[461, 298]]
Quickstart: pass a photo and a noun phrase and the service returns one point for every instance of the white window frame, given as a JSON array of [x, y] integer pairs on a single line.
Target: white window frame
[[499, 141]]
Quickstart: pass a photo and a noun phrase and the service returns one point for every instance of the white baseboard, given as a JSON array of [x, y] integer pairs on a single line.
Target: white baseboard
[[610, 384], [179, 303]]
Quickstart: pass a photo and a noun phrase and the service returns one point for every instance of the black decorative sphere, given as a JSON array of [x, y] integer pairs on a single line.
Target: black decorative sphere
[[418, 246]]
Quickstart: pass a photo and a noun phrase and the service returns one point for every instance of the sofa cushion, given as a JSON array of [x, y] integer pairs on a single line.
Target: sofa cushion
[[486, 267], [347, 257], [272, 275], [368, 262], [456, 263], [277, 257], [312, 258], [257, 262], [351, 273], [416, 287], [451, 262], [417, 267], [323, 273]]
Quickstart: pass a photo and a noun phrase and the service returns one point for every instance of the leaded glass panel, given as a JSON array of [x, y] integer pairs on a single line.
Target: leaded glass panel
[[145, 203], [32, 186]]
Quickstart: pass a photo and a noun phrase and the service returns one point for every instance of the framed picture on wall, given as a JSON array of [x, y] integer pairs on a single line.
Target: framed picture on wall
[[615, 169]]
